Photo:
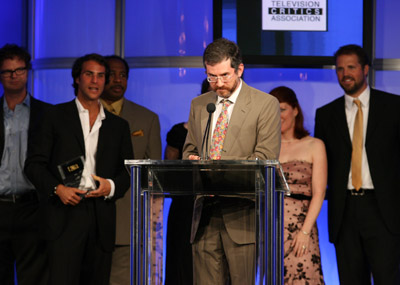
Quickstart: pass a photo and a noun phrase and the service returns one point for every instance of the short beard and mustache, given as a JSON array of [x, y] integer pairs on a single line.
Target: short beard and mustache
[[352, 89], [230, 90]]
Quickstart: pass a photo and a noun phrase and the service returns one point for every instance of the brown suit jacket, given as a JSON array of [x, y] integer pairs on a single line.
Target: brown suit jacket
[[253, 132], [145, 134]]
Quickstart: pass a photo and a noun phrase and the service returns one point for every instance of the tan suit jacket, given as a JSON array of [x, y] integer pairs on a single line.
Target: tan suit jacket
[[253, 132], [146, 141]]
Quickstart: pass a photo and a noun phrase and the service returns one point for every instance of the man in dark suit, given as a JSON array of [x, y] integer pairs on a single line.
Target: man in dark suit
[[361, 131], [81, 218], [145, 134], [223, 229], [20, 224]]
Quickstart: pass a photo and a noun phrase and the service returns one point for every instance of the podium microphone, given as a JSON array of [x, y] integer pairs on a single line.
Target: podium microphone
[[210, 110]]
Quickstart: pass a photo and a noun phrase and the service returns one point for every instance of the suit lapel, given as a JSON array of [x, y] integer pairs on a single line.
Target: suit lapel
[[204, 116], [104, 133], [240, 111], [376, 107], [340, 120], [71, 111], [36, 114], [125, 111]]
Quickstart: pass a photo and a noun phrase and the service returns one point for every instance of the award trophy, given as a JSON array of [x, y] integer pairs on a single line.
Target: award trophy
[[71, 171]]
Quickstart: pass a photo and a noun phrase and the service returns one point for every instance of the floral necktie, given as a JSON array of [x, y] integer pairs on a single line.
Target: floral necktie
[[220, 130]]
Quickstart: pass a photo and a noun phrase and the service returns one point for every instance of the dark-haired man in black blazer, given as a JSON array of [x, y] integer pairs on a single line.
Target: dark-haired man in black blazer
[[363, 148], [20, 221], [81, 220]]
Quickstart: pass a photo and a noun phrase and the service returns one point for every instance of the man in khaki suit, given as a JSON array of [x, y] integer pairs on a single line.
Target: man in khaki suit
[[223, 228], [145, 135]]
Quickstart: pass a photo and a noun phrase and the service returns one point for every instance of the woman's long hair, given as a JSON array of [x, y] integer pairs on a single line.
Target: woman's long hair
[[286, 95]]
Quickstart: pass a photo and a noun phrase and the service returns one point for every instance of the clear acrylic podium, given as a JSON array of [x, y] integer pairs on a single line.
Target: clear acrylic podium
[[259, 180]]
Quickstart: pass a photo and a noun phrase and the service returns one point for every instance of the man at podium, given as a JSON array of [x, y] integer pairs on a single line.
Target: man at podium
[[245, 125]]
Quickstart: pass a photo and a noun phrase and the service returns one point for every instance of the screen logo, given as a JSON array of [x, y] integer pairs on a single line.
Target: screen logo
[[294, 15]]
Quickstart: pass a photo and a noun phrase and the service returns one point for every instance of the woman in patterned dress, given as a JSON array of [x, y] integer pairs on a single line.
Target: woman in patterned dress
[[304, 162]]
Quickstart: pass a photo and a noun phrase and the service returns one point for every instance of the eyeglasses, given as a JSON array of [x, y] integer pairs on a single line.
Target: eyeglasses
[[224, 78], [8, 73]]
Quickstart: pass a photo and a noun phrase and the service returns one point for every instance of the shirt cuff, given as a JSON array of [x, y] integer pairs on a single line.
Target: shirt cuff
[[112, 190]]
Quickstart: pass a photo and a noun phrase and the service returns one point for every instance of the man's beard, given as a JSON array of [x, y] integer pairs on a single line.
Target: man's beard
[[229, 90], [350, 90]]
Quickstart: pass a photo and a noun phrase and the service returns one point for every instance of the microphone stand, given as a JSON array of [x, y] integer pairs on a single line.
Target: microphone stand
[[210, 110]]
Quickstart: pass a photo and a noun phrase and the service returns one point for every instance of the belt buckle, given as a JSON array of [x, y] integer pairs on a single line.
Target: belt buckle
[[360, 192]]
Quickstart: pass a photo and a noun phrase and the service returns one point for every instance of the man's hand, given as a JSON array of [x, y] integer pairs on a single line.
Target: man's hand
[[69, 195], [103, 190], [194, 157]]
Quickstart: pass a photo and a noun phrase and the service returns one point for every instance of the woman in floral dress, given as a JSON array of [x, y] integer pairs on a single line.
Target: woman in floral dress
[[303, 159]]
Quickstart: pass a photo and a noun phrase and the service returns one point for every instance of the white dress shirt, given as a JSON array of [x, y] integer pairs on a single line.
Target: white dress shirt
[[351, 111], [91, 138]]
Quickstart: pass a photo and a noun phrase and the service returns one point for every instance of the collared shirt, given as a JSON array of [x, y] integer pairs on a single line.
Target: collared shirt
[[114, 107], [16, 125], [91, 138], [351, 111], [218, 105]]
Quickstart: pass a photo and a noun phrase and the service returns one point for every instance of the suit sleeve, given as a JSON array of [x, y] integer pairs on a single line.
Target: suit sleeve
[[38, 159], [190, 146], [121, 179]]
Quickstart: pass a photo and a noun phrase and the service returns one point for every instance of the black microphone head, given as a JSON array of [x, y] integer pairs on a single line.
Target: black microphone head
[[211, 108]]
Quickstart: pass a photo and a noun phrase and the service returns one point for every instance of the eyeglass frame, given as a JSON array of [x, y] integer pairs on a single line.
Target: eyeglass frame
[[18, 72], [224, 78]]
